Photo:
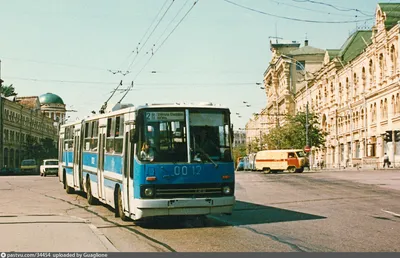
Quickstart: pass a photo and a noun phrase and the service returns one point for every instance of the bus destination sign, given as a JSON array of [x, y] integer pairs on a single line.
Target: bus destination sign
[[164, 116]]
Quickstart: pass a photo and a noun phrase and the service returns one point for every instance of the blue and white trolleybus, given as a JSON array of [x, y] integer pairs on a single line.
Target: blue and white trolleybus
[[152, 160]]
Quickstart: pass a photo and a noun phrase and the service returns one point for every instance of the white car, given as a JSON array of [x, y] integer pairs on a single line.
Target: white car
[[49, 167]]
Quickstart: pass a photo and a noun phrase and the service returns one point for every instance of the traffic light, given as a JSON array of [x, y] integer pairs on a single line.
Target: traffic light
[[397, 136], [388, 136]]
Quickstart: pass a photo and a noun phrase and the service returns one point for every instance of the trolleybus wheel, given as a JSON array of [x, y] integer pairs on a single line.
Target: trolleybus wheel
[[67, 188], [292, 169], [119, 210], [90, 198]]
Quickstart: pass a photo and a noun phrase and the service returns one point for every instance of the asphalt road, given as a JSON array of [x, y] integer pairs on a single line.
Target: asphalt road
[[309, 212]]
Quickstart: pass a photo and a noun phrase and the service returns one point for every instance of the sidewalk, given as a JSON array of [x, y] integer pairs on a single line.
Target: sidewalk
[[355, 169], [50, 233]]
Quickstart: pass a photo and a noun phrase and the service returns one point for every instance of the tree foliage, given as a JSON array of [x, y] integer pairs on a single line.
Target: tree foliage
[[239, 151], [39, 150], [8, 91], [292, 135]]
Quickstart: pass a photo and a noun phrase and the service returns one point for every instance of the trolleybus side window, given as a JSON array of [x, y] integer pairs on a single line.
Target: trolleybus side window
[[91, 137], [68, 141], [95, 135], [119, 134], [115, 134]]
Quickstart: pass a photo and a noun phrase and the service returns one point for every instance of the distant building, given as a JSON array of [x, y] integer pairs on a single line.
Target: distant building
[[239, 138], [53, 106], [355, 90], [27, 116]]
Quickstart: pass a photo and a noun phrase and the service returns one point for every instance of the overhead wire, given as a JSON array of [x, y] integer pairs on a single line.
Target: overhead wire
[[143, 45], [309, 9], [154, 52], [289, 18], [166, 28], [343, 9], [136, 50], [53, 63]]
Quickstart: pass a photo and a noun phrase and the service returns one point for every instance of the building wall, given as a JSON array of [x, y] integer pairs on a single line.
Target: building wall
[[358, 102], [239, 138], [18, 123]]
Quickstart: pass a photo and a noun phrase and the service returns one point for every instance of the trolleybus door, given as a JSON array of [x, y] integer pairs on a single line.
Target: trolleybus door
[[100, 165], [127, 178], [77, 159]]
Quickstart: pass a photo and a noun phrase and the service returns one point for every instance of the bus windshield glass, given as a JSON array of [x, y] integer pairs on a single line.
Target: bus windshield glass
[[209, 135], [163, 135]]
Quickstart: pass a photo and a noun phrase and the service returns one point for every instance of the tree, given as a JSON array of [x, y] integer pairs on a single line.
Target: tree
[[239, 151], [8, 91], [40, 150], [292, 135]]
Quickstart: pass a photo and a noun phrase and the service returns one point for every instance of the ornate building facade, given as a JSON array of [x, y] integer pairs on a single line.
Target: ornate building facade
[[27, 116], [354, 89]]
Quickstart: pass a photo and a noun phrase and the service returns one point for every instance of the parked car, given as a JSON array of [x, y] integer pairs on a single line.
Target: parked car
[[29, 166], [240, 166], [49, 167]]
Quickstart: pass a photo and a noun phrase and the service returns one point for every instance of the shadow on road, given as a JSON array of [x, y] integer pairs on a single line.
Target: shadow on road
[[244, 213]]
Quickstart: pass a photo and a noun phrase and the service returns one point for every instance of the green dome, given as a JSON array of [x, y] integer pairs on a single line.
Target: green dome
[[50, 98]]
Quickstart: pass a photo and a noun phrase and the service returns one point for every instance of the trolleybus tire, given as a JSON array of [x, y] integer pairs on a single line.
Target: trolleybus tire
[[90, 198], [292, 169], [119, 210], [67, 188]]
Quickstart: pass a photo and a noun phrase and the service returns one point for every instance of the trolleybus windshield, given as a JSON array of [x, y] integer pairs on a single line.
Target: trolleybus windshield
[[165, 132]]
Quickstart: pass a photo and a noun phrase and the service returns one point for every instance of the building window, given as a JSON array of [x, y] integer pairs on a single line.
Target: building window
[[355, 84], [300, 65], [358, 150], [393, 59], [385, 106], [381, 66], [371, 72]]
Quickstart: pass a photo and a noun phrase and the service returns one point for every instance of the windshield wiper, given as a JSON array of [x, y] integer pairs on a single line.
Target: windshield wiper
[[207, 156]]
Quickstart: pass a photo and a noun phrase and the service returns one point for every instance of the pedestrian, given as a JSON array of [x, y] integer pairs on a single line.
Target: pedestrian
[[386, 160]]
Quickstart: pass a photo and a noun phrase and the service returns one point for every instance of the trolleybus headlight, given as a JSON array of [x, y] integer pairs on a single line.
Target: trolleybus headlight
[[148, 192], [226, 190]]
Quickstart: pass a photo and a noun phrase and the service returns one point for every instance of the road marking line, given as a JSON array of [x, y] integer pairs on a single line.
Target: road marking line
[[392, 213]]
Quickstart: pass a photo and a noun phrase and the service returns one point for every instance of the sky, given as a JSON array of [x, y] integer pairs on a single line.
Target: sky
[[217, 53]]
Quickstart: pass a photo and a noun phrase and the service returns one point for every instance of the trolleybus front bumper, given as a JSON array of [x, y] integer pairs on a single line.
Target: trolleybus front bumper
[[183, 206]]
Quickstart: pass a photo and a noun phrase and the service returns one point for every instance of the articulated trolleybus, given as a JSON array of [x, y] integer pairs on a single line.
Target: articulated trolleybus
[[152, 160]]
